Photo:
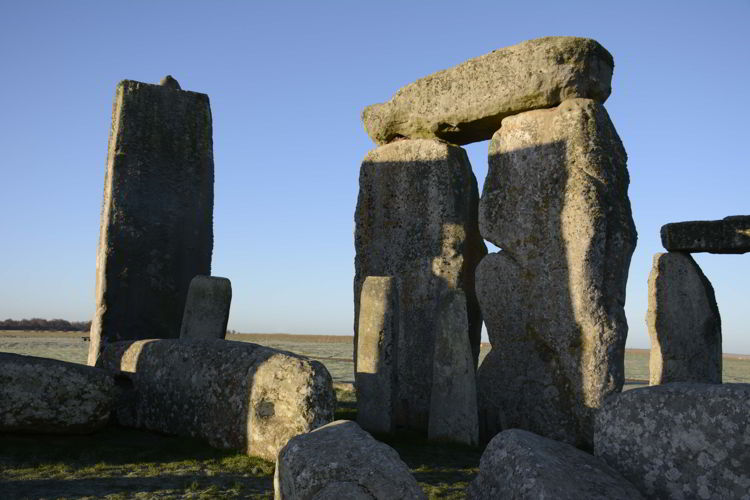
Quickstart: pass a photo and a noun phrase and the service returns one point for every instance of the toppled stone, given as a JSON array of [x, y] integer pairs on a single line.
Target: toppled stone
[[555, 201], [416, 220], [466, 103], [375, 378], [42, 395], [207, 308], [157, 215], [453, 404], [235, 395], [341, 457], [683, 322], [519, 464], [679, 440], [729, 235]]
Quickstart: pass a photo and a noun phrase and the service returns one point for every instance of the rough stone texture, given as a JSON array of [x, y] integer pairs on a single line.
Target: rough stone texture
[[341, 457], [680, 440], [683, 322], [156, 229], [207, 308], [453, 404], [42, 395], [466, 103], [729, 235], [555, 200], [416, 220], [235, 395], [519, 464], [375, 379]]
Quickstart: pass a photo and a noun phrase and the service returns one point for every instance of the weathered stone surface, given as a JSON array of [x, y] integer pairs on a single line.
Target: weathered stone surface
[[42, 395], [234, 395], [729, 235], [207, 308], [519, 464], [156, 224], [416, 221], [555, 200], [453, 404], [683, 322], [341, 457], [679, 440], [466, 103], [375, 378]]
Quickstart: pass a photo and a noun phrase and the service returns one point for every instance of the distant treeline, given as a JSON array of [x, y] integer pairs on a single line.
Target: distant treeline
[[59, 325]]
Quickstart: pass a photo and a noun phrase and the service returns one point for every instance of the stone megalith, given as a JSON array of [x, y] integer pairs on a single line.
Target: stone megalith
[[728, 235], [156, 229], [466, 103], [555, 201], [683, 322], [207, 308], [375, 378], [453, 403], [416, 220]]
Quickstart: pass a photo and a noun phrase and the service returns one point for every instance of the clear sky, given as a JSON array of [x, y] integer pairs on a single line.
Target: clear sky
[[287, 82]]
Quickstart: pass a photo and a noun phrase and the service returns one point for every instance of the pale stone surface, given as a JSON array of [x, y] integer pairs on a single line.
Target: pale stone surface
[[555, 200], [341, 457], [729, 235], [680, 440], [453, 404], [41, 395], [683, 322], [207, 308], [235, 395], [521, 465], [416, 220], [466, 103], [156, 229], [375, 378]]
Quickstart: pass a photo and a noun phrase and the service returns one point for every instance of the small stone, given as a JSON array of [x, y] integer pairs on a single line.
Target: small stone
[[170, 82], [729, 235], [207, 308]]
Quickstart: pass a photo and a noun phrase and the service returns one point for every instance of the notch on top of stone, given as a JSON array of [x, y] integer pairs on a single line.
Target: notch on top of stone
[[466, 103]]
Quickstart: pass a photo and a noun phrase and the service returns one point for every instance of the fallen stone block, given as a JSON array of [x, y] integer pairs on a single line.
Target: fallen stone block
[[207, 308], [42, 395], [680, 440], [340, 460], [521, 465], [728, 235], [235, 395]]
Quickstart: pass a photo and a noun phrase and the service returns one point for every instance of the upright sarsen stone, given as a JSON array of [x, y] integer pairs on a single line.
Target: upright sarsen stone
[[416, 221], [156, 224], [207, 308]]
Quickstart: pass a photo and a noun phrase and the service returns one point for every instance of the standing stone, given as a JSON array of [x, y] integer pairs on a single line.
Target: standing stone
[[416, 220], [555, 200], [453, 405], [207, 308], [728, 235], [156, 224], [683, 322], [375, 379]]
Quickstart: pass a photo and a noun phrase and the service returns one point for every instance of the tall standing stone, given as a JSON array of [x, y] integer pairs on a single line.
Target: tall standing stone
[[156, 224], [683, 322], [416, 220], [555, 200], [207, 308]]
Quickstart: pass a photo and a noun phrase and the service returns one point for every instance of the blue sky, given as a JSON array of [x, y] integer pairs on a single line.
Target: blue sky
[[287, 82]]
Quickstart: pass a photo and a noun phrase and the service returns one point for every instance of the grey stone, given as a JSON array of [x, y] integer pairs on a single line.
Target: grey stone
[[169, 81], [519, 464], [679, 440], [156, 223], [207, 308], [453, 404], [375, 378], [234, 395], [466, 103], [42, 395], [729, 235], [683, 322], [416, 220], [341, 457], [555, 201]]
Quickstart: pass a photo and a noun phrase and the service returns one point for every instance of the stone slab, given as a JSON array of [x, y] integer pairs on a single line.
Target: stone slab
[[207, 308], [729, 235]]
